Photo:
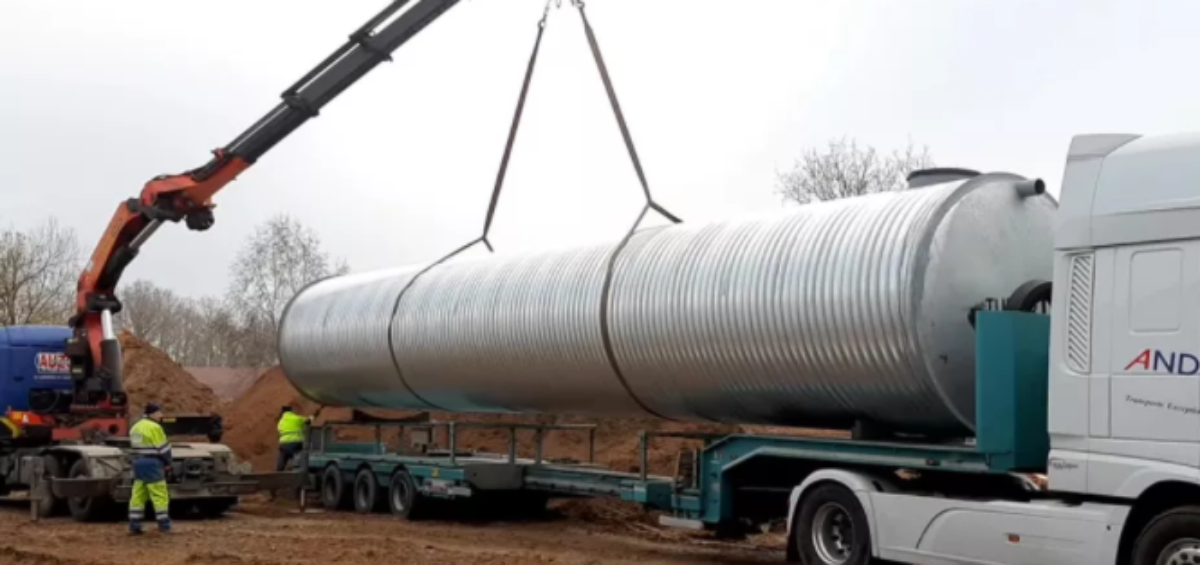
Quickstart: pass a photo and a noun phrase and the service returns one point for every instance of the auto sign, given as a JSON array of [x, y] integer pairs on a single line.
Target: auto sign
[[52, 364]]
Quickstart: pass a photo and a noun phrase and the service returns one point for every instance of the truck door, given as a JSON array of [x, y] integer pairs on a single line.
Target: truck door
[[1155, 353]]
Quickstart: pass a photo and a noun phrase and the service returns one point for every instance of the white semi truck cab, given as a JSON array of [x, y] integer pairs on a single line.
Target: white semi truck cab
[[1113, 406]]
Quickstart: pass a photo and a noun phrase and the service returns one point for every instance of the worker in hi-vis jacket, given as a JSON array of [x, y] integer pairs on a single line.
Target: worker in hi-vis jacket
[[291, 436], [151, 461]]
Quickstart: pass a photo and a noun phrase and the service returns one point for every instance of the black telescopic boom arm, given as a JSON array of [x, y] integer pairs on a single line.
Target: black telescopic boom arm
[[366, 48]]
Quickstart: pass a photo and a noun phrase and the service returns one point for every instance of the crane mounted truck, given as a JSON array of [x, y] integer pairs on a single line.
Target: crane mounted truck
[[64, 435]]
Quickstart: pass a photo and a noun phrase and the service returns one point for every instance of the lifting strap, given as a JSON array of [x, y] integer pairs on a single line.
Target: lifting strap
[[501, 173], [620, 116], [650, 203]]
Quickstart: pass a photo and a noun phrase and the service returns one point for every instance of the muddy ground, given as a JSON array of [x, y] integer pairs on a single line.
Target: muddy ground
[[264, 533]]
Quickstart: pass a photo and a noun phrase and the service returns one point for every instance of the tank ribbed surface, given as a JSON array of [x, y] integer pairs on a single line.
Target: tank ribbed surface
[[518, 334], [338, 334], [819, 315], [802, 313]]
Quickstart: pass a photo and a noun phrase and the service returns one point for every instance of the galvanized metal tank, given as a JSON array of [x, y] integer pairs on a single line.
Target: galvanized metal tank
[[824, 315]]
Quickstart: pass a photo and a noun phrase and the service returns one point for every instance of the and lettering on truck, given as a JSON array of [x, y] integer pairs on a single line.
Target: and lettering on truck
[[1171, 362]]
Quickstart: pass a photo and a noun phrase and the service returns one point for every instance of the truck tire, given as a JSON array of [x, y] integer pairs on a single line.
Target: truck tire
[[212, 508], [1172, 537], [366, 492], [334, 494], [89, 509], [831, 528], [53, 467], [403, 499]]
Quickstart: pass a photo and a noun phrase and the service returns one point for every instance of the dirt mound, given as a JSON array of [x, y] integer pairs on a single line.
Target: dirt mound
[[250, 419], [227, 382], [152, 376]]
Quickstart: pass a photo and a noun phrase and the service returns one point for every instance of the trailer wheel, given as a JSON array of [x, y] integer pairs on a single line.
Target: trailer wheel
[[1172, 538], [403, 499], [88, 509], [334, 494], [831, 528], [366, 492]]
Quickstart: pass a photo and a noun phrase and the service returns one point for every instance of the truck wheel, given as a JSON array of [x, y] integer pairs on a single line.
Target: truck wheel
[[403, 499], [334, 494], [88, 509], [212, 508], [1172, 538], [366, 492], [52, 467], [831, 528]]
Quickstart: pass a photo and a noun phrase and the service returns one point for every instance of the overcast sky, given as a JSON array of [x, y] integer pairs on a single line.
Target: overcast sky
[[98, 97]]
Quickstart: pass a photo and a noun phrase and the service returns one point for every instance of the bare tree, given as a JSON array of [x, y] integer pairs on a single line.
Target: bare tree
[[844, 169], [201, 332], [149, 312], [222, 343], [279, 259], [38, 271]]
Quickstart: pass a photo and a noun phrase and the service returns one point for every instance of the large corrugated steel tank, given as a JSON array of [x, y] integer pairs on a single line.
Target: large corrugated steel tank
[[825, 314]]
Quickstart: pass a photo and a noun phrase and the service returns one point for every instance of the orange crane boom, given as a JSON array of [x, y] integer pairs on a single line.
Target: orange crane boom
[[93, 349]]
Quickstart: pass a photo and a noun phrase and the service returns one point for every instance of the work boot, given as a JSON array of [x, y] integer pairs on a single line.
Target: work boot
[[164, 526], [135, 529]]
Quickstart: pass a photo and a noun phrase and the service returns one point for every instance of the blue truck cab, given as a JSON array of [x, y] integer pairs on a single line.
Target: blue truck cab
[[32, 358]]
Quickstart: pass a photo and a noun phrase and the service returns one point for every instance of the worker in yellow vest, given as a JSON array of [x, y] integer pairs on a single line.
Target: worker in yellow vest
[[291, 436], [151, 461]]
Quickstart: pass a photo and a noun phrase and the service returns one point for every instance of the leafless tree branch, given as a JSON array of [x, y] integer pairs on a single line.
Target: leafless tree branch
[[280, 258], [38, 270], [844, 169]]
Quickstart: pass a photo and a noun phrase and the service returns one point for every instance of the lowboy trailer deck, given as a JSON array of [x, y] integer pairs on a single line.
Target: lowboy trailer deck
[[727, 484]]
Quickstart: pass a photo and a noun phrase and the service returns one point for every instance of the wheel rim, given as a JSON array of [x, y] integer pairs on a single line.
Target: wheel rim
[[833, 534], [363, 494], [81, 503], [399, 494], [330, 489], [1181, 552]]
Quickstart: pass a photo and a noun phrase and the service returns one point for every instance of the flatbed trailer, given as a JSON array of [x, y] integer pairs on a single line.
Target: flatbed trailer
[[727, 483], [732, 481], [371, 475]]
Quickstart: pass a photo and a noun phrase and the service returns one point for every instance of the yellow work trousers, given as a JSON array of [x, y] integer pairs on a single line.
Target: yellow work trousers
[[156, 494]]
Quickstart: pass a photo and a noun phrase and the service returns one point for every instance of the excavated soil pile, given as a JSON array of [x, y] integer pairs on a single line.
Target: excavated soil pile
[[228, 383], [151, 376], [250, 421]]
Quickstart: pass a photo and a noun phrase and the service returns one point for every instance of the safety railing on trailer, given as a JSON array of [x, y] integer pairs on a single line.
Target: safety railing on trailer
[[423, 435]]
